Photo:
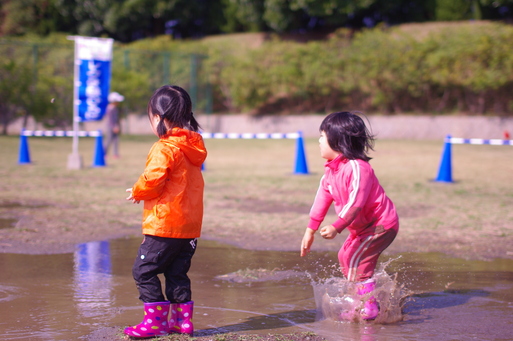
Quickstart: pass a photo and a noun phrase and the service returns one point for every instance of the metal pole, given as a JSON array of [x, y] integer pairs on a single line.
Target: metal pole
[[35, 59], [166, 57], [194, 81], [126, 59], [209, 100], [74, 159]]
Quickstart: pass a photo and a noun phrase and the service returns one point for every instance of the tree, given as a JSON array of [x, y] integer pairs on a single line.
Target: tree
[[10, 90], [30, 16], [130, 20], [450, 10], [243, 15]]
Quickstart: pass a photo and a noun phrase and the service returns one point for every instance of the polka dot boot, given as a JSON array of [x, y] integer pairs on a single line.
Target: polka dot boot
[[154, 322], [181, 318]]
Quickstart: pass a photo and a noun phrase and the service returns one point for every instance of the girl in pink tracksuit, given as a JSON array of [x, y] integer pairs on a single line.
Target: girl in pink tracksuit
[[360, 202]]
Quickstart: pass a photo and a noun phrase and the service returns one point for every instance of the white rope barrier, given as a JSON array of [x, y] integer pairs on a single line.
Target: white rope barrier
[[60, 133], [260, 136], [495, 142]]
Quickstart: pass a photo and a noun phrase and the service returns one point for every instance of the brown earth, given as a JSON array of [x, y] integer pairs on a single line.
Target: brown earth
[[110, 334], [43, 238], [252, 207]]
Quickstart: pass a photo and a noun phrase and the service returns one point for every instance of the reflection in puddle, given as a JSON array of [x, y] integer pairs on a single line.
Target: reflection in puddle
[[73, 296], [93, 278]]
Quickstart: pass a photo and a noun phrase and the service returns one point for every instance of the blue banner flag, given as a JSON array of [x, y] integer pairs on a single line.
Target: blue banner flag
[[93, 60]]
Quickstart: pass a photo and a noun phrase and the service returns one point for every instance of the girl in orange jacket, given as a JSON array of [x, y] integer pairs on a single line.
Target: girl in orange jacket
[[171, 187]]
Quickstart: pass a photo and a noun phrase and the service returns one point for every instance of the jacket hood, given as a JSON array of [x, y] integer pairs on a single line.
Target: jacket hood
[[189, 142]]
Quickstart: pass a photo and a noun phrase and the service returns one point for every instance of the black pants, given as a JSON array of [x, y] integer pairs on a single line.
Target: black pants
[[168, 256]]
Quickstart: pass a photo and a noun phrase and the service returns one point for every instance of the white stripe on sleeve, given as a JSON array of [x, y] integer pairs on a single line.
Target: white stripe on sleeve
[[356, 186]]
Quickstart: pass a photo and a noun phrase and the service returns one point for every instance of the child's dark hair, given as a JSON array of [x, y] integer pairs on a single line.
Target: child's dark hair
[[174, 106], [347, 134]]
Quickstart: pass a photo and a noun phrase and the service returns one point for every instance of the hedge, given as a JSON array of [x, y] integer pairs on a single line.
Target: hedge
[[465, 68], [439, 68]]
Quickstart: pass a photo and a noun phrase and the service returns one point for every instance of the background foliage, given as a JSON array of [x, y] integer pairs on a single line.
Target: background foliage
[[36, 77], [129, 20], [437, 68], [304, 55]]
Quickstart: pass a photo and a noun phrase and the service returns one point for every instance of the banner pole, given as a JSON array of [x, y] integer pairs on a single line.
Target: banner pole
[[91, 83], [74, 159]]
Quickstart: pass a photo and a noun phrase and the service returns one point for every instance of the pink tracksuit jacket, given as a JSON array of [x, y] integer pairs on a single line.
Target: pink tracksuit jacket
[[360, 202]]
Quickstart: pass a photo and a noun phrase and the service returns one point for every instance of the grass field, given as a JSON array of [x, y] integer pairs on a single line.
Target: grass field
[[253, 200]]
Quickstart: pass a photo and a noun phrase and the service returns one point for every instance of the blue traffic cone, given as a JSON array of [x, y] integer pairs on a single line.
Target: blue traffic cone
[[24, 157], [445, 169], [301, 166], [99, 155]]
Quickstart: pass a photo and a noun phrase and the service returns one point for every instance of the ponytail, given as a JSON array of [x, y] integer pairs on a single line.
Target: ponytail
[[193, 124], [174, 106]]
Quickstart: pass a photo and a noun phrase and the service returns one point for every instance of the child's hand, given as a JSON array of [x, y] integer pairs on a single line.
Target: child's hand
[[328, 232], [131, 198], [307, 241]]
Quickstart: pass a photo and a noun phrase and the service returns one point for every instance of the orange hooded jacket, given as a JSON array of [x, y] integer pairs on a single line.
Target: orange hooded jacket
[[172, 186]]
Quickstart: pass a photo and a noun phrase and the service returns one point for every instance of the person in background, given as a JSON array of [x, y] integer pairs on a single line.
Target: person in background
[[113, 126]]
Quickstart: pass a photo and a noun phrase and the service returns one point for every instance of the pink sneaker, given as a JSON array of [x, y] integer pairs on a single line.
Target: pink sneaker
[[370, 309]]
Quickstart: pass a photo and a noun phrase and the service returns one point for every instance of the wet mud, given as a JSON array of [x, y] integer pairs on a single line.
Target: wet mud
[[90, 295]]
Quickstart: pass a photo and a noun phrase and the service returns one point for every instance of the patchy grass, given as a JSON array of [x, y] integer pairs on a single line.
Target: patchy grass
[[253, 200], [307, 336], [304, 336]]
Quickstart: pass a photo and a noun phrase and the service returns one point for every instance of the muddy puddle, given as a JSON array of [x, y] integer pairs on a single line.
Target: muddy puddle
[[82, 296]]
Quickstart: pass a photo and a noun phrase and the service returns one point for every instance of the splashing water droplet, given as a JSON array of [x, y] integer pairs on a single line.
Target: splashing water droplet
[[337, 299]]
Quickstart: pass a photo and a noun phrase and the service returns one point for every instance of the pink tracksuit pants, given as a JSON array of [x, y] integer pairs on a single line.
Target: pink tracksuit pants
[[359, 255]]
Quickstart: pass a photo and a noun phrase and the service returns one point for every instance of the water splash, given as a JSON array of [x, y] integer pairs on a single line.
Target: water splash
[[336, 298], [259, 275], [8, 293]]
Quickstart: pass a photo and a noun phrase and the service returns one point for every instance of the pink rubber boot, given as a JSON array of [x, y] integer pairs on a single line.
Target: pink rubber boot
[[181, 318], [370, 307], [154, 322]]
